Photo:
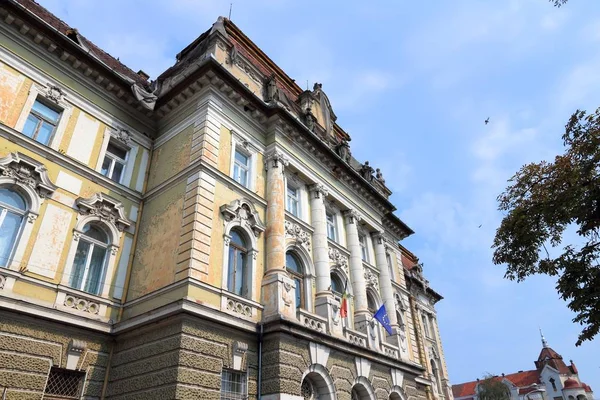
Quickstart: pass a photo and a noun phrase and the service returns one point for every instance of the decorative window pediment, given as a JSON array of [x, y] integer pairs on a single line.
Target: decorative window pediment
[[243, 211], [106, 208], [28, 172]]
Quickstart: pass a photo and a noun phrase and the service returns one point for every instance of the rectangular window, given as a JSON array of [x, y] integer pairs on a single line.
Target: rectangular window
[[41, 123], [233, 385], [425, 326], [388, 258], [114, 163], [363, 247], [64, 384], [331, 231], [241, 168], [293, 201]]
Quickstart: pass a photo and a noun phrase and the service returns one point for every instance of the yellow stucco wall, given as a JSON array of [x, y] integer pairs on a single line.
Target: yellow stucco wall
[[158, 242], [171, 157]]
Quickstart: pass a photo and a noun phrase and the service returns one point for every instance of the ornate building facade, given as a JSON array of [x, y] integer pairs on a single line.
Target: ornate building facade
[[194, 237], [552, 379]]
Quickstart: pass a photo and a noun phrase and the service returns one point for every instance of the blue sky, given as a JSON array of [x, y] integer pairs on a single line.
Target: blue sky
[[413, 82]]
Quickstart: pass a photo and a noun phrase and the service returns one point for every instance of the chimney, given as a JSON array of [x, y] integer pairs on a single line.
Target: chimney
[[144, 75]]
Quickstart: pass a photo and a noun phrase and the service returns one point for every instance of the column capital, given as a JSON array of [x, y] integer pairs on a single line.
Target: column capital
[[352, 216], [274, 159], [318, 190], [379, 237]]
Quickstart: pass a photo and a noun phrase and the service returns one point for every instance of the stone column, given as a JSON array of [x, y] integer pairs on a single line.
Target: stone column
[[385, 284], [325, 304], [278, 296], [357, 273]]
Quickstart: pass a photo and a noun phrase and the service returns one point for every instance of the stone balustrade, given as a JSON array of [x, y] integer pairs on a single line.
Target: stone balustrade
[[356, 338], [312, 321], [390, 350]]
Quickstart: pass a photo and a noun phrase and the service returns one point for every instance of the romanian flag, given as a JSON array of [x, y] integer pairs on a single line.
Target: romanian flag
[[344, 306]]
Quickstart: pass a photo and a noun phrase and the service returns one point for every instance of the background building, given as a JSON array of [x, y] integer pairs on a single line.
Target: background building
[[193, 237], [552, 379]]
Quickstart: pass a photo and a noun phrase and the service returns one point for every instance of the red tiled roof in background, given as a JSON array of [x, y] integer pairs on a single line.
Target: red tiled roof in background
[[62, 27], [519, 379], [553, 359]]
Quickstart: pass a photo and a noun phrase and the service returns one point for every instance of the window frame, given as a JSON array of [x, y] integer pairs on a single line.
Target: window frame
[[331, 224], [297, 199], [244, 382], [301, 277], [247, 168], [425, 323], [41, 119], [37, 91], [116, 159], [93, 243], [364, 247], [23, 214], [242, 252]]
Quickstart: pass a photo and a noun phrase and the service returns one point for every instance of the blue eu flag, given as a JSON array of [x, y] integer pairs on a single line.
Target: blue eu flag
[[382, 317]]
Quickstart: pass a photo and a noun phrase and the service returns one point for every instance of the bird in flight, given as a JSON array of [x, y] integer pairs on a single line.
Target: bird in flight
[[487, 121], [479, 226]]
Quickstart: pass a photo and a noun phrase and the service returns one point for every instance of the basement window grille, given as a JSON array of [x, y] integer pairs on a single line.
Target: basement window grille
[[64, 384], [233, 385]]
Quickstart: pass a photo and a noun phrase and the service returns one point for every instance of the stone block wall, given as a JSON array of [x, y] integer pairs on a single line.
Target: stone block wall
[[30, 347]]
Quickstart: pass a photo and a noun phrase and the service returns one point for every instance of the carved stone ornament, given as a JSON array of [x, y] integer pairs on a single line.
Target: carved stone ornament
[[106, 208], [433, 355], [82, 304], [235, 58], [122, 135], [366, 171], [343, 150], [339, 259], [328, 115], [2, 281], [274, 159], [318, 190], [54, 93], [271, 90], [28, 172], [239, 307], [352, 216], [243, 211], [298, 233], [371, 279]]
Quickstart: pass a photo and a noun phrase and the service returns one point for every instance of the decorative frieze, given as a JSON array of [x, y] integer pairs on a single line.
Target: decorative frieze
[[28, 172], [338, 259], [298, 233], [81, 304], [239, 308], [371, 279]]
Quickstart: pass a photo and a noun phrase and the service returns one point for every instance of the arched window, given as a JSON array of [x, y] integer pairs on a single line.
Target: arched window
[[90, 260], [359, 392], [337, 287], [237, 280], [436, 377], [371, 303], [294, 267], [12, 211]]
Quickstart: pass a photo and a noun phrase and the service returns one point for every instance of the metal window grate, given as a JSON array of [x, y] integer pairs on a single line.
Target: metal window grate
[[64, 384], [233, 385]]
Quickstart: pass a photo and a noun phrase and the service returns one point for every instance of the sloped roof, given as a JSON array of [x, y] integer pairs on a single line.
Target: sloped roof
[[62, 27], [520, 379], [552, 358]]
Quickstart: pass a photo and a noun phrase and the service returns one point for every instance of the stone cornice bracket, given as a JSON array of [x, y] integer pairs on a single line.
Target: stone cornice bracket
[[105, 208], [318, 190], [77, 346], [352, 216], [243, 210], [274, 159], [239, 351], [27, 171]]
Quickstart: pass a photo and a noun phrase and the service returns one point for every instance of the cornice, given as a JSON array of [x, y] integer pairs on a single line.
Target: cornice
[[84, 63]]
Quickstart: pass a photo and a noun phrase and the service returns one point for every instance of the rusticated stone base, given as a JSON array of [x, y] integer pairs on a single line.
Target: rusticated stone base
[[30, 347]]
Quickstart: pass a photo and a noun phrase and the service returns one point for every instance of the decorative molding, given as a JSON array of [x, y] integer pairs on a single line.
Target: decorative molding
[[122, 135], [239, 308], [27, 171], [371, 279], [274, 159], [77, 346], [312, 322], [298, 233], [352, 216], [338, 259], [318, 190], [235, 58], [2, 281], [106, 208], [81, 304], [239, 351], [243, 211], [53, 93]]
